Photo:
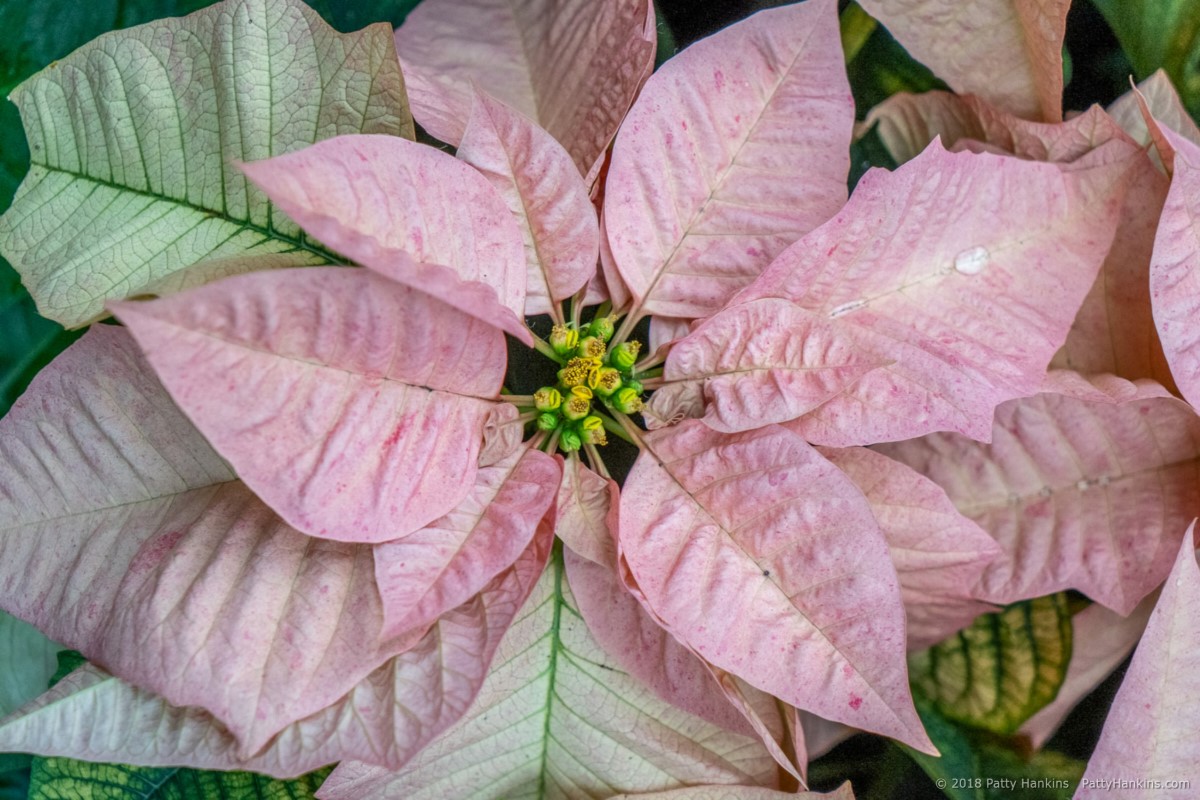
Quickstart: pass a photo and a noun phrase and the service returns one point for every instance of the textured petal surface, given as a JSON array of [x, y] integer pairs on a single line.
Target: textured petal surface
[[907, 123], [1100, 641], [444, 564], [1163, 103], [758, 363], [1174, 278], [546, 195], [1083, 494], [131, 186], [645, 650], [163, 567], [764, 558], [386, 718], [1150, 731], [764, 712], [970, 310], [737, 147], [573, 66], [939, 554], [349, 403], [1007, 51], [555, 720], [411, 212], [586, 513], [1114, 329], [501, 434]]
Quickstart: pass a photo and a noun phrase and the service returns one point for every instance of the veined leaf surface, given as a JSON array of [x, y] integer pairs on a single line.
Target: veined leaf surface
[[572, 66], [412, 213], [351, 404], [432, 570], [798, 598], [145, 563], [56, 778], [1006, 666], [384, 720], [1085, 492], [1008, 51], [132, 187], [1100, 640], [556, 720], [1114, 328], [737, 147], [546, 195], [760, 363], [1174, 278], [968, 312], [939, 554], [1149, 733]]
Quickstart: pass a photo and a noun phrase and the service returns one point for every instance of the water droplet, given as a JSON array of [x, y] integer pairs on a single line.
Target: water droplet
[[1083, 485], [972, 262], [846, 308]]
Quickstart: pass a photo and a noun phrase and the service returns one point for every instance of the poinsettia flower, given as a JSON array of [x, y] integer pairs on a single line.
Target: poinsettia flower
[[345, 433]]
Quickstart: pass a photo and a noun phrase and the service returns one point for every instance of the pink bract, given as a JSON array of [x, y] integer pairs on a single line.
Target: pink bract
[[326, 531]]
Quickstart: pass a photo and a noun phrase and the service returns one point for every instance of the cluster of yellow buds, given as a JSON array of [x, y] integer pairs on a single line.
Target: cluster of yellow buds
[[591, 374]]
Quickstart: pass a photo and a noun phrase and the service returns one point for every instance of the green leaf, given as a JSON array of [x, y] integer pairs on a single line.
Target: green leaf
[[1160, 34], [1000, 671], [63, 778], [26, 663], [133, 188], [980, 766]]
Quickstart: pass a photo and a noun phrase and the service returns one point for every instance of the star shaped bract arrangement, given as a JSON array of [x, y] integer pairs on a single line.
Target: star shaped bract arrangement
[[292, 517]]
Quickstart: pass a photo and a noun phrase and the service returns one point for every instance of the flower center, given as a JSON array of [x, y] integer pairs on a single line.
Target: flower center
[[595, 383]]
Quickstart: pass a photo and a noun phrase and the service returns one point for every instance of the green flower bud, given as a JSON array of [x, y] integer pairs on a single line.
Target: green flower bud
[[626, 401], [591, 347], [547, 421], [564, 340], [624, 355], [636, 386], [604, 381], [576, 407], [602, 328], [592, 430], [547, 398], [570, 441]]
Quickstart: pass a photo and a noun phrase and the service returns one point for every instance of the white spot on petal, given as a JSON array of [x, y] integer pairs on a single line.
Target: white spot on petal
[[973, 261], [846, 308]]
